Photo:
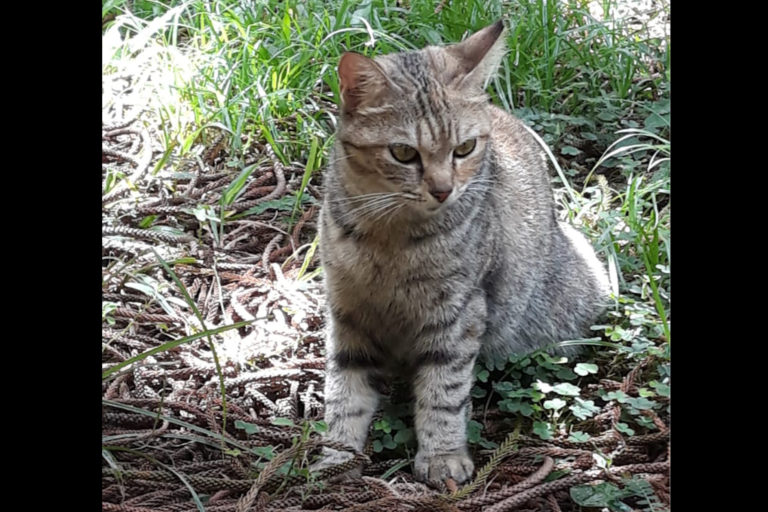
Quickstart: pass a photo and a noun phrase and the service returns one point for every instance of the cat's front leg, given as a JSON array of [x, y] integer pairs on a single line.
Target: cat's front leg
[[350, 398], [442, 385]]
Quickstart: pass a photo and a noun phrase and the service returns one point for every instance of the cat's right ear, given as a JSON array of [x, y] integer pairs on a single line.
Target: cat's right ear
[[362, 81]]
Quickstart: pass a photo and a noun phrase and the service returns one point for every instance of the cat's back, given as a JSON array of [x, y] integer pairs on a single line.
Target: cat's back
[[519, 156]]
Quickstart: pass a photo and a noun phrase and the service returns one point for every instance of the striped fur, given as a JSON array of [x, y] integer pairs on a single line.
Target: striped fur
[[423, 287]]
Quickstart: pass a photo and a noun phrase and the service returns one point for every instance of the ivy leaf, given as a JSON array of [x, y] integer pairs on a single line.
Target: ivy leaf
[[565, 374], [377, 446], [518, 406], [579, 437], [661, 389], [641, 403], [504, 388], [283, 422], [473, 431], [543, 386], [398, 424], [584, 409], [382, 425], [619, 396], [478, 392], [624, 428], [566, 389], [403, 436], [645, 392], [585, 369], [388, 442], [482, 375], [543, 430], [554, 404]]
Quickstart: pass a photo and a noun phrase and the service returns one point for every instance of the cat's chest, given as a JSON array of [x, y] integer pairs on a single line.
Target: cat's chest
[[397, 288]]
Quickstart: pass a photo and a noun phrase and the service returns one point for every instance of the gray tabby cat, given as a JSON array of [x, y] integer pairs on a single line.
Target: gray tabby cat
[[439, 241]]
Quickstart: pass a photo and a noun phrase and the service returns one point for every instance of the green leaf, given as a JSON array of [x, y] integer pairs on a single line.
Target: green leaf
[[566, 389], [403, 436], [569, 150], [319, 426], [249, 428], [377, 446], [619, 396], [565, 374], [585, 369], [488, 445], [283, 422], [606, 115], [283, 204], [517, 406], [474, 428], [397, 424], [557, 474], [478, 392], [641, 403], [504, 387], [543, 386], [147, 221], [554, 404], [388, 442], [234, 188], [661, 389], [482, 375], [584, 409], [382, 425], [624, 428], [169, 345], [595, 495], [267, 452], [543, 430], [578, 437]]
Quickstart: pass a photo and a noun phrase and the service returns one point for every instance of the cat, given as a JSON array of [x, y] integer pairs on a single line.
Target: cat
[[439, 240]]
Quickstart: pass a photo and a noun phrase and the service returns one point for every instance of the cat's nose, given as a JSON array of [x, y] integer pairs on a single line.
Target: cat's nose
[[441, 195]]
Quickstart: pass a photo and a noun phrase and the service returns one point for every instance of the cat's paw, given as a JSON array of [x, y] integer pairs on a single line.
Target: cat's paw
[[331, 458], [436, 469]]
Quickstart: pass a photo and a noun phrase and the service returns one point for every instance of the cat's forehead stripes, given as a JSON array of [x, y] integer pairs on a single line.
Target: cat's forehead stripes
[[431, 109]]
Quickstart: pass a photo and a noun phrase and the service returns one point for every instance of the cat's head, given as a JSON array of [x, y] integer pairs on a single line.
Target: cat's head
[[417, 123]]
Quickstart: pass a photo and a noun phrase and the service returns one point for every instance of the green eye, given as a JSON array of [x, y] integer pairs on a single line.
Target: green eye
[[465, 148], [403, 153]]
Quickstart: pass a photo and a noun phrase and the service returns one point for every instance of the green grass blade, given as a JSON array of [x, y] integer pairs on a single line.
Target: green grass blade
[[169, 345], [183, 289]]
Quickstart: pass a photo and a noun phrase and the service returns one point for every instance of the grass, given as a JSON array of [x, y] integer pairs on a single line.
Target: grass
[[594, 88]]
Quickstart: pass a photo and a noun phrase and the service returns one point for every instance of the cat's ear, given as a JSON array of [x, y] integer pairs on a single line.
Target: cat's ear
[[362, 81], [479, 56]]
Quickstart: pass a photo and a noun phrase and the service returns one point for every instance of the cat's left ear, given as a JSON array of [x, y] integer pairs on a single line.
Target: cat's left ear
[[478, 57]]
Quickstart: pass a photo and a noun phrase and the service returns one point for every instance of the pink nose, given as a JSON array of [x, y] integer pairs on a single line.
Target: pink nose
[[441, 195]]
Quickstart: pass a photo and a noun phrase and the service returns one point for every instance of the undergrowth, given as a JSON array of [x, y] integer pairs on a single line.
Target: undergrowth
[[229, 76]]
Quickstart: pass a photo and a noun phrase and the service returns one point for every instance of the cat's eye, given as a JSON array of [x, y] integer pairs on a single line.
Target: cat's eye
[[403, 153], [465, 148]]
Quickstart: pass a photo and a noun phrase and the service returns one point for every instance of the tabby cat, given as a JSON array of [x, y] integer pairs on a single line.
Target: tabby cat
[[439, 241]]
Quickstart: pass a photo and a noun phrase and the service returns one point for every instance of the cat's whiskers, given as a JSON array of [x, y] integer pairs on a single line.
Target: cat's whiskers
[[369, 207], [363, 197], [387, 214]]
